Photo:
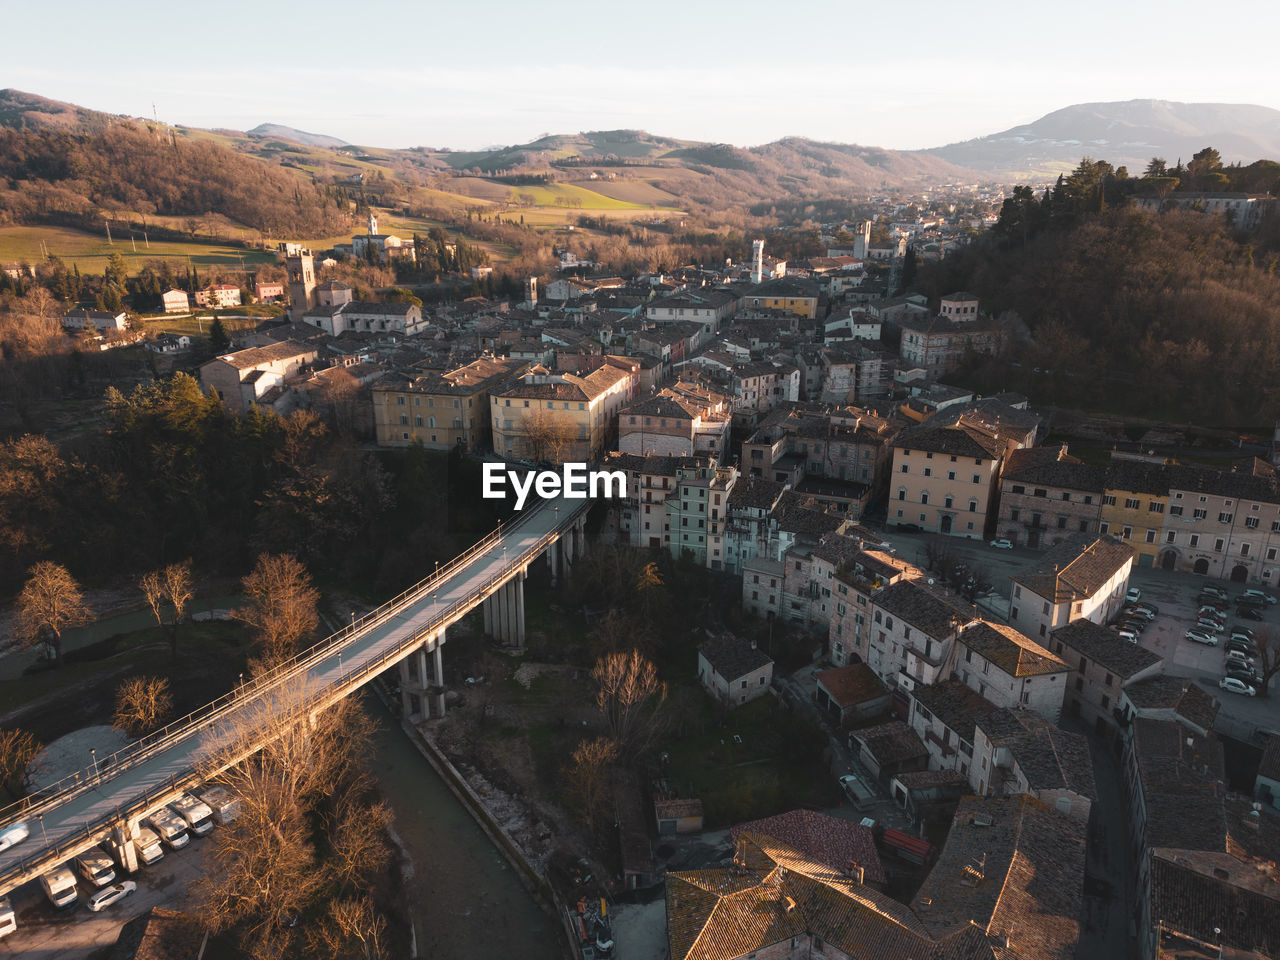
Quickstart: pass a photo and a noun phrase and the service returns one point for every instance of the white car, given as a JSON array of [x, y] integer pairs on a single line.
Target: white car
[[1260, 596], [1002, 544], [109, 895], [1133, 595], [1232, 685], [14, 834], [1199, 636]]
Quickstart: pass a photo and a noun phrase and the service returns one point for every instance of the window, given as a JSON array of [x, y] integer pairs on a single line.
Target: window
[[1040, 492], [1198, 514], [951, 474], [1271, 553], [928, 471], [1155, 506], [924, 498], [1175, 511], [973, 508], [1131, 503], [947, 501], [1106, 701], [1107, 680], [1014, 514], [1195, 540], [1224, 517], [1126, 532], [904, 468], [1045, 611], [1151, 536], [400, 401], [1251, 523], [1104, 528], [1217, 545], [1108, 501], [976, 478], [1019, 488], [1062, 523], [1244, 549], [902, 495]]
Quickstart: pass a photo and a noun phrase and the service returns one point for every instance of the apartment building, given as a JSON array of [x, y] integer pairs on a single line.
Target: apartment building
[[1046, 495], [1223, 523], [441, 410], [1080, 578], [1103, 666], [1017, 752], [561, 416], [1010, 669], [1133, 507]]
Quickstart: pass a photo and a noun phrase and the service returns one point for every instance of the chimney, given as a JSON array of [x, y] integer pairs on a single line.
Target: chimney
[[855, 871]]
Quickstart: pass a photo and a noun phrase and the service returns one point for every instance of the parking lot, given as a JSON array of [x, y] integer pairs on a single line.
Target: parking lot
[[46, 933], [1174, 593]]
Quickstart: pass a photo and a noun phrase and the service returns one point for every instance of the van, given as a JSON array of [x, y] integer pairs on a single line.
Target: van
[[147, 843], [225, 807], [96, 867], [8, 920], [171, 827], [59, 886], [196, 814]]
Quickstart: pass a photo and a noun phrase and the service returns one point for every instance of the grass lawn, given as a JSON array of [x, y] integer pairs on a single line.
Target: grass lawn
[[197, 327], [211, 656], [90, 251], [777, 767]]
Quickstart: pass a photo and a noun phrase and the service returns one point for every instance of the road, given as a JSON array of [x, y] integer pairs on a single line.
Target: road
[[450, 597]]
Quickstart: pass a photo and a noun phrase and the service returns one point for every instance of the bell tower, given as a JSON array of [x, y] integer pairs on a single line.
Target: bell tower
[[301, 268], [373, 224]]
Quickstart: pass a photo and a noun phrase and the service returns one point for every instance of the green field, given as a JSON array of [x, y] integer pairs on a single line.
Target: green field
[[90, 252]]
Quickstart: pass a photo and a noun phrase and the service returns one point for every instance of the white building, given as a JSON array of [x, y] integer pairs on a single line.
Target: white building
[[1080, 578]]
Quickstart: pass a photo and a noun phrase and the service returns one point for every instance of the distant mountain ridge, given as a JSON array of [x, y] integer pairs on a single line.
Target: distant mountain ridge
[[1128, 132], [277, 131]]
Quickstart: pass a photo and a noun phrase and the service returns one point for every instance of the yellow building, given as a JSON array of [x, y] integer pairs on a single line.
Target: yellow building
[[561, 416], [441, 410], [790, 295], [1135, 498]]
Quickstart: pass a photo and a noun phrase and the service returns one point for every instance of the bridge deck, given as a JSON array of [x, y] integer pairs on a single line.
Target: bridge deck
[[85, 811]]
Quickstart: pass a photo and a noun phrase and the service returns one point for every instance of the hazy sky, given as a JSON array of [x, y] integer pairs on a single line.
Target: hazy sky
[[473, 73]]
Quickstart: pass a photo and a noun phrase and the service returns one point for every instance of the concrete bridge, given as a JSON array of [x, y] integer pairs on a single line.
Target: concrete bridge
[[107, 801]]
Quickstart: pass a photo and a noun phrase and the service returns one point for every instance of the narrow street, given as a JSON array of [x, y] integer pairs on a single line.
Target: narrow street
[[1108, 885]]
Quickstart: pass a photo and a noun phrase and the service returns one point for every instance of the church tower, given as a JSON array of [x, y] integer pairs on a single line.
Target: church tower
[[862, 239], [373, 224], [301, 268]]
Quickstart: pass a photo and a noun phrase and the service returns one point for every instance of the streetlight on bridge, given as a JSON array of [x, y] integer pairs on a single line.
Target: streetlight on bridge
[[93, 752]]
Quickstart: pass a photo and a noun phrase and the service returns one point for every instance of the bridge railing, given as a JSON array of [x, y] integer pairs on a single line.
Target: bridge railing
[[52, 794], [356, 676]]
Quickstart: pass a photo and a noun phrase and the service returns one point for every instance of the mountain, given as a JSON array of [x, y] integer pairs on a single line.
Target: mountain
[[27, 111], [1128, 132], [276, 131]]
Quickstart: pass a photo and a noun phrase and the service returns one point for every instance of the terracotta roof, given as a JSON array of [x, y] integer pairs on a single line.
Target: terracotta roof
[[959, 440], [1218, 900], [824, 839], [774, 893], [1015, 869], [1181, 775], [1050, 758], [677, 808], [892, 742], [1052, 467], [954, 704], [1103, 647], [1010, 650], [852, 684], [274, 352], [1075, 569], [732, 657], [923, 607], [1179, 694]]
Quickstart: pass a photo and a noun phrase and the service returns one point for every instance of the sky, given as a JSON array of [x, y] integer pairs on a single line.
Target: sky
[[474, 74]]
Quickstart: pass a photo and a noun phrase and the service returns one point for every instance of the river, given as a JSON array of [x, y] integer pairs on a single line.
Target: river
[[466, 900]]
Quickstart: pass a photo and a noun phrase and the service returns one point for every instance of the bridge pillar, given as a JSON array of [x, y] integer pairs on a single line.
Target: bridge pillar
[[406, 690], [122, 848], [519, 583], [438, 651], [553, 559]]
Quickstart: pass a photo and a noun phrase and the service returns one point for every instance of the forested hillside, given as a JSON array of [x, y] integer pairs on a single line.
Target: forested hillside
[[1170, 315], [132, 169]]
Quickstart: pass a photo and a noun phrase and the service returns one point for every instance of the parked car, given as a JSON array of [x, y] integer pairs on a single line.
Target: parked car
[[1244, 646], [1246, 674], [109, 895], [1232, 685], [1133, 626], [1209, 600], [1147, 606], [1209, 623], [1235, 656], [1213, 591], [1133, 595], [14, 834], [8, 920], [1248, 613], [1260, 595], [1002, 543], [910, 527], [1200, 636], [1209, 611], [1242, 632], [1126, 634], [1138, 610]]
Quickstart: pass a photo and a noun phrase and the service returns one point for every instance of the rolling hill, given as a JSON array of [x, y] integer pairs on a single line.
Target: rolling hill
[[276, 131], [1128, 132]]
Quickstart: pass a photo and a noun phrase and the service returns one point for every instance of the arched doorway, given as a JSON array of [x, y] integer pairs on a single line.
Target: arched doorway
[[1201, 567], [1239, 573], [946, 523], [1169, 560]]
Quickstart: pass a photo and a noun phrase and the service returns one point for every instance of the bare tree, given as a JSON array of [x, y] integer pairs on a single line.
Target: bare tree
[[281, 604], [551, 435], [352, 929], [171, 585], [1267, 640], [17, 749], [142, 704], [628, 697], [49, 603], [589, 776], [357, 838]]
